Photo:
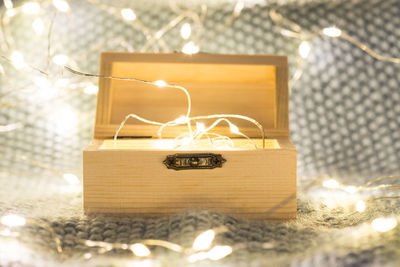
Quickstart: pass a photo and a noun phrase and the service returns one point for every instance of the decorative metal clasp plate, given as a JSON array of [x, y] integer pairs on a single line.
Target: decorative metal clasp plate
[[194, 161]]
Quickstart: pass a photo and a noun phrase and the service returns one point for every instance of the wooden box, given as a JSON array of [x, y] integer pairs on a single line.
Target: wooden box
[[131, 176]]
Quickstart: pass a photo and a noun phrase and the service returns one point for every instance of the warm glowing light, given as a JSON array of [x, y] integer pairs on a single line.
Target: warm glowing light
[[190, 48], [186, 31], [42, 82], [219, 252], [351, 189], [65, 120], [200, 127], [204, 240], [38, 26], [384, 224], [331, 183], [198, 257], [234, 128], [304, 49], [71, 178], [13, 220], [361, 206], [8, 4], [140, 250], [128, 14], [17, 59], [60, 60], [47, 91], [91, 89], [11, 12], [87, 256], [62, 82], [181, 119], [61, 5], [332, 32], [31, 8], [160, 83]]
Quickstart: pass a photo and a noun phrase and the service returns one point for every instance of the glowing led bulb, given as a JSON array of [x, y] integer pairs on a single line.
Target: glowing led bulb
[[91, 89], [38, 26], [61, 5], [186, 31], [219, 252], [304, 49], [11, 12], [331, 183], [47, 91], [160, 83], [351, 189], [31, 8], [204, 240], [332, 32], [64, 120], [128, 14], [190, 48], [234, 128], [60, 60], [8, 4], [13, 220], [17, 59], [140, 250], [200, 127], [87, 256], [384, 224], [71, 178], [181, 119], [360, 206]]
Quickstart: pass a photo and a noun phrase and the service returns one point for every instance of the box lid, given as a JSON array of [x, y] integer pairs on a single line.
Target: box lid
[[251, 85]]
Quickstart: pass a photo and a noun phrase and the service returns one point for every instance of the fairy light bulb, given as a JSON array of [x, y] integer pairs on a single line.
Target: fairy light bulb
[[160, 83], [204, 240], [128, 14], [60, 60], [140, 250], [31, 8], [11, 12], [190, 48], [186, 31], [72, 179], [200, 127], [332, 32], [384, 224], [46, 90], [17, 59], [351, 189], [304, 49], [61, 5], [219, 252], [13, 220], [198, 257], [38, 26], [234, 128], [8, 4], [181, 119], [361, 206], [331, 183], [91, 89]]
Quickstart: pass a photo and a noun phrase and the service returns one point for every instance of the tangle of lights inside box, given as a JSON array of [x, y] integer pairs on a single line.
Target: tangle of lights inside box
[[203, 248]]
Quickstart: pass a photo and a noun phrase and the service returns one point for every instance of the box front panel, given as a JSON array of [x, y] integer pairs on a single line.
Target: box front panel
[[252, 183]]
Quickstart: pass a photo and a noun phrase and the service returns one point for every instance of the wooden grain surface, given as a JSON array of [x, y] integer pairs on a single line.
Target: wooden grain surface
[[252, 183]]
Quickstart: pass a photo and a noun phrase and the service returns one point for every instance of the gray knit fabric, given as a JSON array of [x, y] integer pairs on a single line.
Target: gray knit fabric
[[344, 117]]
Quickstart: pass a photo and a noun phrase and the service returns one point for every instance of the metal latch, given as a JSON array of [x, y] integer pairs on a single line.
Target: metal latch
[[194, 161]]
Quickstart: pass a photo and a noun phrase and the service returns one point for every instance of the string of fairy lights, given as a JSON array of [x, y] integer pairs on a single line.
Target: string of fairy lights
[[191, 22]]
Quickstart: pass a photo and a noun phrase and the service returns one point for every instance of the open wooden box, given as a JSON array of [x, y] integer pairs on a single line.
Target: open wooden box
[[132, 177]]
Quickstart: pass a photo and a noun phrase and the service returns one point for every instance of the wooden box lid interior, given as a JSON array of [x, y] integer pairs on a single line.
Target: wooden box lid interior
[[251, 85]]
